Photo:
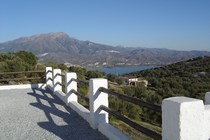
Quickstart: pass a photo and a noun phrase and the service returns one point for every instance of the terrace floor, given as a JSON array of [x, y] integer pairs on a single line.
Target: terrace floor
[[34, 114]]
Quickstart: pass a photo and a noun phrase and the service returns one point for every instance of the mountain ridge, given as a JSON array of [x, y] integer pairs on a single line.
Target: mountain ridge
[[61, 48]]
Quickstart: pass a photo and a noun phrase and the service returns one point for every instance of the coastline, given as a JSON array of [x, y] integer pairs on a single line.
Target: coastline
[[131, 65], [118, 70]]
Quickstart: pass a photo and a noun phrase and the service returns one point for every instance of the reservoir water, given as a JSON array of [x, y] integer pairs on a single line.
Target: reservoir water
[[123, 70]]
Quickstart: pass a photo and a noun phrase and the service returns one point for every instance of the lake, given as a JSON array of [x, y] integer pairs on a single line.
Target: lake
[[123, 70]]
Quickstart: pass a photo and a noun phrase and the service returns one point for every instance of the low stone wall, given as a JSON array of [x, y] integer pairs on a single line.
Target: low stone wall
[[23, 86]]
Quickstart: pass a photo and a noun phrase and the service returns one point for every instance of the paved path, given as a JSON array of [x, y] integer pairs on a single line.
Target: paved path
[[33, 114]]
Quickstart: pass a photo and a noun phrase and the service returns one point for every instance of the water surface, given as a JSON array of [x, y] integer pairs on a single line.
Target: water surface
[[123, 70]]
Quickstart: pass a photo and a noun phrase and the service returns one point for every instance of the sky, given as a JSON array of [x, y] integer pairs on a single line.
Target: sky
[[171, 24]]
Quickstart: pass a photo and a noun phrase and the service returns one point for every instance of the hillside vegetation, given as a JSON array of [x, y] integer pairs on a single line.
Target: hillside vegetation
[[19, 61], [188, 78]]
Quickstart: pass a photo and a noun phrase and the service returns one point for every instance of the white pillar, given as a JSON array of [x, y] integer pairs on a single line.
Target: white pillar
[[182, 119], [56, 80], [70, 84], [96, 99], [49, 78]]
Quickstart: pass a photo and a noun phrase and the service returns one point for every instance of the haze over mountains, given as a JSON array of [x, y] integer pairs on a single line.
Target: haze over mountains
[[61, 48]]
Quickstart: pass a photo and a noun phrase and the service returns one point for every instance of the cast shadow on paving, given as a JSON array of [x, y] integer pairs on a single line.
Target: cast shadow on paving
[[62, 121]]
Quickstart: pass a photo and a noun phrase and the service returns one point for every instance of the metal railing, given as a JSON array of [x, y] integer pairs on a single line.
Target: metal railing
[[62, 85], [22, 79], [121, 117], [131, 99], [80, 94], [62, 75], [138, 127], [81, 82]]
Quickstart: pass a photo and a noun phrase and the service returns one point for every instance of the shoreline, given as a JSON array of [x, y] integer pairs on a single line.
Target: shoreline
[[122, 66], [123, 70]]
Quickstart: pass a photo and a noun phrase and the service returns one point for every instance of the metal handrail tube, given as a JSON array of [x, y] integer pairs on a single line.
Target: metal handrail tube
[[62, 75], [142, 129], [131, 99], [50, 79], [49, 71], [61, 85], [81, 82], [80, 95]]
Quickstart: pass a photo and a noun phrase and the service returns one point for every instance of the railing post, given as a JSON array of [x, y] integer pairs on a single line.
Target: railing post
[[97, 98], [56, 80], [49, 76], [182, 119], [70, 84]]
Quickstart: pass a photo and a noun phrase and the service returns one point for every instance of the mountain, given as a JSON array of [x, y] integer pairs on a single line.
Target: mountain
[[61, 48]]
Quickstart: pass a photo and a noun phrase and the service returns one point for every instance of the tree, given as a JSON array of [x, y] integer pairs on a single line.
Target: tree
[[62, 67], [4, 66], [51, 64], [111, 77], [11, 62], [40, 67], [93, 74], [27, 57], [80, 72], [133, 111], [130, 91], [120, 80]]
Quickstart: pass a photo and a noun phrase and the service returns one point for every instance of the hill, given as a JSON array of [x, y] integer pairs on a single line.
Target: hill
[[189, 78], [61, 48]]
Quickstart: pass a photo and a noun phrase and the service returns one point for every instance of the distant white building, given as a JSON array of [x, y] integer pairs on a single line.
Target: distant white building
[[134, 81], [104, 63]]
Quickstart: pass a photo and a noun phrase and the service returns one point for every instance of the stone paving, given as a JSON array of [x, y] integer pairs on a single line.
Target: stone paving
[[34, 114]]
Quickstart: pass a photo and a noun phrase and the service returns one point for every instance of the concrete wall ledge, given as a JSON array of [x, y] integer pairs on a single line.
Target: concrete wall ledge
[[61, 95], [23, 86], [50, 86], [111, 132], [81, 110]]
